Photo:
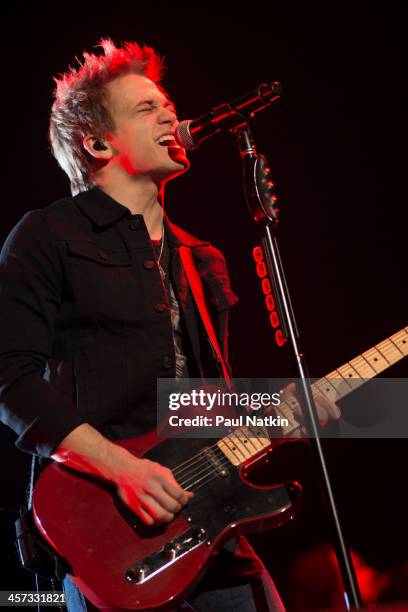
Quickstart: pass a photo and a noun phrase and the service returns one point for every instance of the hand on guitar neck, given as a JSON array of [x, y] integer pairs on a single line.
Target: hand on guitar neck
[[327, 410], [146, 487]]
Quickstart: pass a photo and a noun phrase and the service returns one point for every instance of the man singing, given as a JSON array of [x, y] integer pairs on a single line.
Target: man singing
[[94, 304]]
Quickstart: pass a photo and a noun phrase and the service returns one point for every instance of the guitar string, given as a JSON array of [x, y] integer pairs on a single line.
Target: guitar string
[[222, 460], [198, 458], [206, 482], [213, 471], [190, 461], [207, 469]]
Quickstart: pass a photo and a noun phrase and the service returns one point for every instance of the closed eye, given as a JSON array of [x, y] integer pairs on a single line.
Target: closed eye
[[152, 106]]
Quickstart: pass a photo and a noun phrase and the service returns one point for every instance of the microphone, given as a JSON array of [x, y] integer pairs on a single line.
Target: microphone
[[192, 132]]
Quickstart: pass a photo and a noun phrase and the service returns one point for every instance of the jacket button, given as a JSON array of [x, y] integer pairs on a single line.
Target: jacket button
[[149, 264], [135, 224], [160, 307], [103, 255], [167, 362]]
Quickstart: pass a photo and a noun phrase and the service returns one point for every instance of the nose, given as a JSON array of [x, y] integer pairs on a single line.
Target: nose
[[168, 115]]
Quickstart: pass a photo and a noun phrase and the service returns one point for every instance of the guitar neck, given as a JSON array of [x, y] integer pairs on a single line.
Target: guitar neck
[[339, 383], [246, 442], [356, 372]]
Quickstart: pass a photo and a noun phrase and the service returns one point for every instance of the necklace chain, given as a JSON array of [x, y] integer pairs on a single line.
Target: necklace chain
[[161, 246], [162, 272]]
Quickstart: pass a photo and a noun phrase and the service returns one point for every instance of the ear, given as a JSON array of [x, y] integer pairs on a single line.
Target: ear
[[97, 147]]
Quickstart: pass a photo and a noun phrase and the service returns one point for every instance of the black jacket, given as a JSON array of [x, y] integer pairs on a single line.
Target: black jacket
[[84, 331]]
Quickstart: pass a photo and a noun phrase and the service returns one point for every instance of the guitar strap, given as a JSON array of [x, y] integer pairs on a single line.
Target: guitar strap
[[196, 286]]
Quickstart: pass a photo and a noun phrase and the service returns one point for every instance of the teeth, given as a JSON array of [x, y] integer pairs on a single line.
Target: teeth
[[167, 138]]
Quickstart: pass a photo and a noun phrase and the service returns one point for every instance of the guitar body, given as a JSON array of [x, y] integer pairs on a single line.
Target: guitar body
[[122, 564]]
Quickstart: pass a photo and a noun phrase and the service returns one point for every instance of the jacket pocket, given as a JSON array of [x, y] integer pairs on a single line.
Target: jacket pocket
[[100, 280], [89, 251]]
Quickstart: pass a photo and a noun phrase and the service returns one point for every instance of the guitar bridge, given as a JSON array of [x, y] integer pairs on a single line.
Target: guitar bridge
[[158, 561]]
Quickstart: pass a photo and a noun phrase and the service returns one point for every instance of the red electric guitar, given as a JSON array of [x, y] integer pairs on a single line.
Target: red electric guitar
[[120, 563]]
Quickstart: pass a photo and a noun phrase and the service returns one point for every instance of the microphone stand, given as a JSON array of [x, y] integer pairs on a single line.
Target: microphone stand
[[261, 200]]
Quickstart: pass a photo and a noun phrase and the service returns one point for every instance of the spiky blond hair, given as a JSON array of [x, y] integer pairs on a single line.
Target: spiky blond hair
[[80, 104]]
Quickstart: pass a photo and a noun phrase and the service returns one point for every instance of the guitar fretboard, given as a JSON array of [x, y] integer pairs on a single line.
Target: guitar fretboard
[[245, 442]]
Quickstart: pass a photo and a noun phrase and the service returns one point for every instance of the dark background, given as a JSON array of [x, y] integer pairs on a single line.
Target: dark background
[[336, 143]]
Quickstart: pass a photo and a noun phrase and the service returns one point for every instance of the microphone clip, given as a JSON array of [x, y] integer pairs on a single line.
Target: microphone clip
[[259, 187]]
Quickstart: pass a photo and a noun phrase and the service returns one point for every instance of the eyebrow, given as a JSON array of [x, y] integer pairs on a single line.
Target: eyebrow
[[151, 101]]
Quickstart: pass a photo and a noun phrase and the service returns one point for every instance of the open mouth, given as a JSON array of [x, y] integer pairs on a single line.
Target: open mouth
[[168, 141]]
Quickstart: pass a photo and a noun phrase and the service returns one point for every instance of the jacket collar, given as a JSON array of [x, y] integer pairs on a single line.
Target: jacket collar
[[104, 210], [100, 207]]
